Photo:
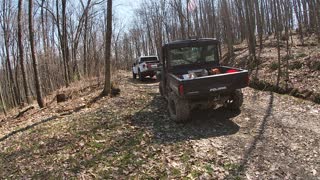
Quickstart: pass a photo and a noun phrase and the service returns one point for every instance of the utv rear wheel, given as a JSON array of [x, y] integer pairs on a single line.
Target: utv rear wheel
[[178, 108], [236, 100]]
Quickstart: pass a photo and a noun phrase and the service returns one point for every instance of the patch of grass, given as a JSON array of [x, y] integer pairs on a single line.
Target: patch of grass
[[208, 168], [175, 172], [274, 66], [195, 173], [132, 141], [301, 55], [316, 66], [295, 65], [231, 166], [317, 98], [288, 57], [96, 145], [185, 158], [237, 177], [106, 174], [252, 65], [127, 158]]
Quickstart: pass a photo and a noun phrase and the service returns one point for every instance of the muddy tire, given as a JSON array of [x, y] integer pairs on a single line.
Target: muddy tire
[[236, 100], [178, 108]]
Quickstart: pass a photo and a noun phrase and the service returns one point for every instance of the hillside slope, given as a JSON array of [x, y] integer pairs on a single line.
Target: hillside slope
[[304, 66]]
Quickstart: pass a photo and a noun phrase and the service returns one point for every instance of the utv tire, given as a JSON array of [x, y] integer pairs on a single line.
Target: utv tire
[[178, 108], [134, 75], [236, 100]]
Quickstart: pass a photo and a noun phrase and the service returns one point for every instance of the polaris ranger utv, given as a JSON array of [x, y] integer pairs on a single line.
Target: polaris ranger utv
[[192, 77]]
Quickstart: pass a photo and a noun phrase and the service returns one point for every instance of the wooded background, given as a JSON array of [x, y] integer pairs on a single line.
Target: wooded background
[[46, 45]]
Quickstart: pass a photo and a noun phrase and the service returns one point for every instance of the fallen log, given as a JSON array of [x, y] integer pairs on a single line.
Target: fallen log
[[21, 113]]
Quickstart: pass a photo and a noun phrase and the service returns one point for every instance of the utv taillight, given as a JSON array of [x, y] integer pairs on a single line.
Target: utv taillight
[[181, 89], [232, 71]]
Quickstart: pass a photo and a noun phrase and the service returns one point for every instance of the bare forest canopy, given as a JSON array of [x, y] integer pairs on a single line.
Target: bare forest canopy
[[69, 37]]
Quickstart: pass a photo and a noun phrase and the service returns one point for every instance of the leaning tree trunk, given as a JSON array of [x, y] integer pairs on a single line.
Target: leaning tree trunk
[[107, 83], [34, 59]]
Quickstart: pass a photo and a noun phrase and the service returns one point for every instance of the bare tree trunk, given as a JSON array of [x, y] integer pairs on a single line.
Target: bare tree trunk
[[9, 67], [21, 53], [65, 40], [277, 24], [259, 23], [287, 8], [85, 49], [62, 31], [251, 31], [178, 6], [2, 102], [34, 58], [107, 83], [227, 27], [44, 20], [213, 27]]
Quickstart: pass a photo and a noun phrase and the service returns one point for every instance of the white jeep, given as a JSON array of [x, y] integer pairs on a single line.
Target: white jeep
[[145, 66]]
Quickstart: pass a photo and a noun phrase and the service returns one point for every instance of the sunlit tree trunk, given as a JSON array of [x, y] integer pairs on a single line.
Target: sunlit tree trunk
[[2, 102], [34, 58], [107, 83], [21, 52]]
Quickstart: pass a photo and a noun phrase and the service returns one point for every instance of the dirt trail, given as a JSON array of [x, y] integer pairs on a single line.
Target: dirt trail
[[272, 137]]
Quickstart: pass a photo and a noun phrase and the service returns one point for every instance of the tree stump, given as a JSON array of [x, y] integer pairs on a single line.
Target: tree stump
[[114, 92], [61, 98]]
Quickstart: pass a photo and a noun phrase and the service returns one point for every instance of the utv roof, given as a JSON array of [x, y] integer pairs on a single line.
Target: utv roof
[[192, 42]]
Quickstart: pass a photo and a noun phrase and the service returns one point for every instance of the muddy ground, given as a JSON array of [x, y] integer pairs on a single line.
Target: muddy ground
[[131, 136]]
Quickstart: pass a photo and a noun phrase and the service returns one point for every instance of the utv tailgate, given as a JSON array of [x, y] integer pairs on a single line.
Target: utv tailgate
[[204, 86]]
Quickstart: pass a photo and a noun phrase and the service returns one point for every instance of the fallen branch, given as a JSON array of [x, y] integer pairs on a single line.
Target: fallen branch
[[21, 113]]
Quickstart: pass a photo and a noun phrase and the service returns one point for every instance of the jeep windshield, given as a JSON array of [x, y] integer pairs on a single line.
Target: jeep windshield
[[193, 55]]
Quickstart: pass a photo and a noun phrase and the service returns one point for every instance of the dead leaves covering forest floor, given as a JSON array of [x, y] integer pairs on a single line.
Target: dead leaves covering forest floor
[[131, 136]]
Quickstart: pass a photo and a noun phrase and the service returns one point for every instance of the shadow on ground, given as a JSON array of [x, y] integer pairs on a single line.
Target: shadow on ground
[[252, 146], [203, 124]]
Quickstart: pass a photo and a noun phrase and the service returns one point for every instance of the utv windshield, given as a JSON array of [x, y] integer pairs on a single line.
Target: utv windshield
[[193, 55]]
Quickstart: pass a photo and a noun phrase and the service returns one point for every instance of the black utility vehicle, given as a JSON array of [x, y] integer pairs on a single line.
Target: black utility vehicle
[[191, 77]]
